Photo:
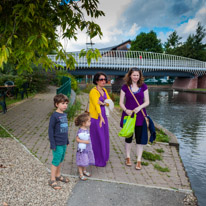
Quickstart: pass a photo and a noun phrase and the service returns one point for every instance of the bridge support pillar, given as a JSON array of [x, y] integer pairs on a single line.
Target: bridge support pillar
[[185, 83], [202, 82]]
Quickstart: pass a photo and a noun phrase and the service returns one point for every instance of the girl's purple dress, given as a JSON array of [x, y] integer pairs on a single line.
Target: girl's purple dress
[[86, 157], [100, 137]]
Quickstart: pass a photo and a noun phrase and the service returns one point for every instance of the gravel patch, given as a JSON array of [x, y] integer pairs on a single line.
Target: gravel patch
[[24, 179]]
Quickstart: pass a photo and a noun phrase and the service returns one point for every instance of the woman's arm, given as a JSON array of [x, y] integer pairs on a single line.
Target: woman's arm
[[145, 103], [82, 141], [121, 103]]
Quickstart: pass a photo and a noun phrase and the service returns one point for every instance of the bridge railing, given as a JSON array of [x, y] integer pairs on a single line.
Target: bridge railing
[[148, 60]]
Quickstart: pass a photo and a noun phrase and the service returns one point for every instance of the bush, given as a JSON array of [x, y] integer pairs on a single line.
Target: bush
[[88, 88], [60, 74]]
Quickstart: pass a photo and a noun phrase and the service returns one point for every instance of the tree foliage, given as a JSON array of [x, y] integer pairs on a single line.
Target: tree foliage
[[29, 30], [173, 42], [147, 42], [193, 47]]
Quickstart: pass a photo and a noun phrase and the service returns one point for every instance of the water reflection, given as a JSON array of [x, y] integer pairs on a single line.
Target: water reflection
[[184, 114]]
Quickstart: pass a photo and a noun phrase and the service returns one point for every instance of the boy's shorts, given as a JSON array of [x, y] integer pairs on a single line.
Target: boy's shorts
[[58, 154]]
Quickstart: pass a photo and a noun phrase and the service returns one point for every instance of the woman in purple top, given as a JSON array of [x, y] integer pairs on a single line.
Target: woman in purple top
[[134, 79]]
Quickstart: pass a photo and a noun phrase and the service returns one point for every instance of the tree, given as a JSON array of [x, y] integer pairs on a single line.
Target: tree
[[194, 47], [28, 30], [173, 42], [147, 42]]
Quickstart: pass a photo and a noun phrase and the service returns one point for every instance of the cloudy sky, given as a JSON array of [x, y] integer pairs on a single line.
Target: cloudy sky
[[125, 19]]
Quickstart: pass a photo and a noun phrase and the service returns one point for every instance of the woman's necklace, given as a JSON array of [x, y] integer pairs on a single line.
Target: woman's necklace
[[100, 91], [134, 88]]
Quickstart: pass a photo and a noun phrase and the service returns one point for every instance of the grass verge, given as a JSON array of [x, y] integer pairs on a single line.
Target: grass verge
[[161, 136], [4, 133], [73, 109]]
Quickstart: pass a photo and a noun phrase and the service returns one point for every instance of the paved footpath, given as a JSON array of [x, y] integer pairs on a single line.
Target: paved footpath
[[29, 121]]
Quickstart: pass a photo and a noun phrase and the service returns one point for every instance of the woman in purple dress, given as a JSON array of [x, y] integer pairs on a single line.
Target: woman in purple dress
[[135, 81], [99, 129]]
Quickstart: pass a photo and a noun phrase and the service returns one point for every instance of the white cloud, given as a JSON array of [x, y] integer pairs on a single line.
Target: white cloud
[[134, 29], [190, 27]]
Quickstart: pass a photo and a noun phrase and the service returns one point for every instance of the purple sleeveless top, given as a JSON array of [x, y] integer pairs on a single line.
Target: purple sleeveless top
[[131, 104]]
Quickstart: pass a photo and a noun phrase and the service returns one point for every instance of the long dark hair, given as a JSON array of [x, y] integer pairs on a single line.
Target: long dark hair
[[128, 79]]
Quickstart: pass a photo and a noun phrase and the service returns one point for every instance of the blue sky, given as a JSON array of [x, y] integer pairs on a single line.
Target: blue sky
[[125, 19]]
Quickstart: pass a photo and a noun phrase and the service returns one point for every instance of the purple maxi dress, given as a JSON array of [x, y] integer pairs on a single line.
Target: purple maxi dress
[[100, 137]]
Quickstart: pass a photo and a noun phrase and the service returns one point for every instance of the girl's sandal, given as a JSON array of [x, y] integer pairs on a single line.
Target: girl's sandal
[[54, 184], [82, 177], [86, 173], [62, 179]]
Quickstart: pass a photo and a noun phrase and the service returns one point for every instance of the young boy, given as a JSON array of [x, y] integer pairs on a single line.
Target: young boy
[[58, 137]]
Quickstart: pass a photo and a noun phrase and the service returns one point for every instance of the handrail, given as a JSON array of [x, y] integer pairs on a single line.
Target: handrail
[[65, 87], [123, 60]]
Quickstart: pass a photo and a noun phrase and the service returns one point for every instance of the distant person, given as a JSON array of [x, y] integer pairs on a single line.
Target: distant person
[[84, 156], [112, 81], [99, 129], [58, 137], [135, 81]]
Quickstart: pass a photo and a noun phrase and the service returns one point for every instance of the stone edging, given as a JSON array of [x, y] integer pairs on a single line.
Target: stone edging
[[173, 139]]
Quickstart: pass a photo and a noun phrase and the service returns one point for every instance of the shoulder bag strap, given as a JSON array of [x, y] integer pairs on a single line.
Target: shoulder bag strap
[[137, 102]]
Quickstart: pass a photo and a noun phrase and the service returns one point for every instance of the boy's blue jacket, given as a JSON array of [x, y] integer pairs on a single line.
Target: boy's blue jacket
[[144, 137]]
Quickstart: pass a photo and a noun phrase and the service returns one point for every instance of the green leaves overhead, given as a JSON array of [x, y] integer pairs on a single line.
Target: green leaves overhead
[[29, 30]]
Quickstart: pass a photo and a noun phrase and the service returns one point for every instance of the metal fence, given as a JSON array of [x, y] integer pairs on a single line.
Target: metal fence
[[65, 87]]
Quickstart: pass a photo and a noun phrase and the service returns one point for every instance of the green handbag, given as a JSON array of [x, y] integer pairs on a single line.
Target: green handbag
[[128, 127]]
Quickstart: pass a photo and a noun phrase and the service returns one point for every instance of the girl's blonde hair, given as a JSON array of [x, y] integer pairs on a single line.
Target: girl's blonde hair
[[82, 118], [128, 79]]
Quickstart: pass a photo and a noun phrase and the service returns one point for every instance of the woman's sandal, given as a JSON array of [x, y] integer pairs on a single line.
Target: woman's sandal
[[138, 166], [82, 177], [62, 179], [54, 184], [86, 173], [128, 162]]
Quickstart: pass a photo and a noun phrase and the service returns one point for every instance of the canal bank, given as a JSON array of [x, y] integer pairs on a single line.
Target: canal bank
[[30, 124], [183, 113]]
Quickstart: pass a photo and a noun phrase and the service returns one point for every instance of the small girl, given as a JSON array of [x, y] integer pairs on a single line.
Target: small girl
[[84, 156]]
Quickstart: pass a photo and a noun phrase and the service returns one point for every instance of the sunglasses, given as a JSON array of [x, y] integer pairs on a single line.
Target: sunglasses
[[102, 80]]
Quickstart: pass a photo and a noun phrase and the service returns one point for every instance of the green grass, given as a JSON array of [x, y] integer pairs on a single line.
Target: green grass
[[150, 156], [12, 100], [145, 163], [4, 133], [160, 150], [198, 89], [161, 169], [72, 110], [161, 136]]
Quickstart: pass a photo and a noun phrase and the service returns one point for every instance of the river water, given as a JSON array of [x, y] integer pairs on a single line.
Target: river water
[[184, 114]]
